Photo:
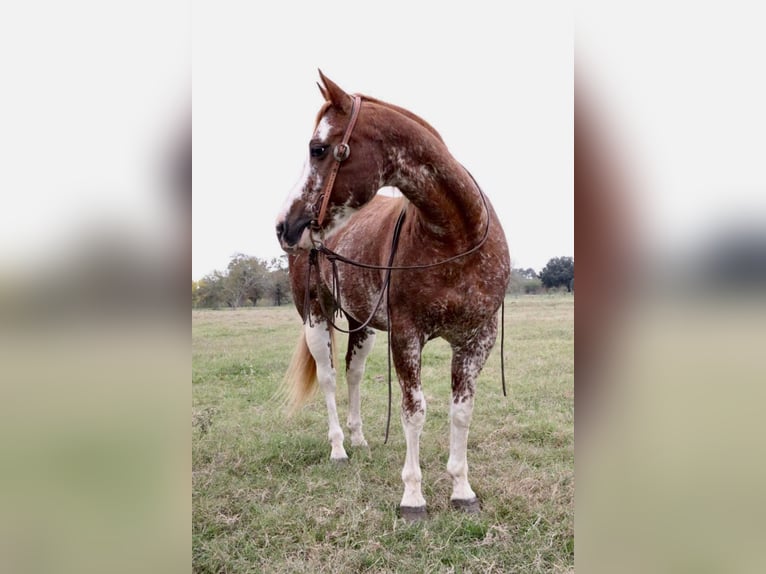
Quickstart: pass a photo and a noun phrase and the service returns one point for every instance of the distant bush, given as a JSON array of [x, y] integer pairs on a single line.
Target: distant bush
[[524, 282], [532, 286]]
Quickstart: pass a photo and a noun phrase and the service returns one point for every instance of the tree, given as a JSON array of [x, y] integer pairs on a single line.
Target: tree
[[247, 279], [210, 290], [279, 280], [558, 271]]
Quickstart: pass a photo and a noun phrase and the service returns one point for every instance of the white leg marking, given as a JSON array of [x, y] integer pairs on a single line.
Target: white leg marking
[[457, 465], [318, 340], [411, 475], [354, 375]]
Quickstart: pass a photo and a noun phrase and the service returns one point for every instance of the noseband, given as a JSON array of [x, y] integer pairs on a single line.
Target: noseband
[[340, 152]]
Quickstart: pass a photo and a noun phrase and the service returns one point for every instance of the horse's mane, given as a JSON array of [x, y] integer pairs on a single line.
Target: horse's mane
[[417, 119]]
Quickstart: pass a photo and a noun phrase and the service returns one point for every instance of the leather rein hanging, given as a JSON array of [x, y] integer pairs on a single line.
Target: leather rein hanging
[[340, 153]]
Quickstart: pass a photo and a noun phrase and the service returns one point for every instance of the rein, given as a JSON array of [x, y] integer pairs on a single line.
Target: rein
[[333, 256], [341, 152], [337, 310]]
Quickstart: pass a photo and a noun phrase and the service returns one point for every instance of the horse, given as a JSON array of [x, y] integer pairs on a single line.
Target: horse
[[433, 263]]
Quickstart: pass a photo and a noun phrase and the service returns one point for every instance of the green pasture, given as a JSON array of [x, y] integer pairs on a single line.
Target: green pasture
[[266, 497]]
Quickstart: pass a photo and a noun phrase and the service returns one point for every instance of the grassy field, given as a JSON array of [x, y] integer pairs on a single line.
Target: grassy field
[[266, 497]]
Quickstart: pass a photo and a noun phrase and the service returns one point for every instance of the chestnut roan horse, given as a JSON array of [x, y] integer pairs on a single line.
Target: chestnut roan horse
[[433, 263]]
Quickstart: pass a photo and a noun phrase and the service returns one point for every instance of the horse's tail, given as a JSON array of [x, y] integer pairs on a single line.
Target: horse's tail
[[301, 376]]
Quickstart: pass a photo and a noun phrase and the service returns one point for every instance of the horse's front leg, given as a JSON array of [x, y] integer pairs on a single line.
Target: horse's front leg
[[360, 344], [320, 344], [467, 362], [407, 357]]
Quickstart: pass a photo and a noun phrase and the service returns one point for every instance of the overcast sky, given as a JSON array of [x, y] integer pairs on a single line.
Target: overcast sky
[[496, 84]]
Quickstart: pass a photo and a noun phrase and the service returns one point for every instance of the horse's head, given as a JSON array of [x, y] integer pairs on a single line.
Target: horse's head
[[342, 171]]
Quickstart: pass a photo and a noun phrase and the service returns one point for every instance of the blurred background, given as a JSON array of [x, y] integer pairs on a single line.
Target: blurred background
[[95, 141], [670, 235]]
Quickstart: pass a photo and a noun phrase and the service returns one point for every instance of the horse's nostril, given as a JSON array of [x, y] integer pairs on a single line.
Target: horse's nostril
[[280, 230]]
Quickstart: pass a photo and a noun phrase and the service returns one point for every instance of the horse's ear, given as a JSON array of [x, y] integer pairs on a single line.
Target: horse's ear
[[334, 94], [324, 92]]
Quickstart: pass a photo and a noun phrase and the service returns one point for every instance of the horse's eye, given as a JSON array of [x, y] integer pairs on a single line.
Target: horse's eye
[[318, 151]]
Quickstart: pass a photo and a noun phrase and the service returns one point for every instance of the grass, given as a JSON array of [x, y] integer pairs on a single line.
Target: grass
[[266, 497]]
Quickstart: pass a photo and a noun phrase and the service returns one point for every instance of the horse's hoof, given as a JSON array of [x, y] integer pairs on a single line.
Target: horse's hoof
[[339, 461], [413, 513], [469, 506]]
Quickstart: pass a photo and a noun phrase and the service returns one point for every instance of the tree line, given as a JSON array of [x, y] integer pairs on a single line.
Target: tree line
[[558, 273], [249, 281]]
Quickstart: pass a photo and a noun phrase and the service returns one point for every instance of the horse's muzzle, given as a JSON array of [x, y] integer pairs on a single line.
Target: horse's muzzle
[[290, 233]]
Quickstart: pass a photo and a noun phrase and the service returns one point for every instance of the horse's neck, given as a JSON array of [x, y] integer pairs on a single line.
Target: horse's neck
[[447, 197]]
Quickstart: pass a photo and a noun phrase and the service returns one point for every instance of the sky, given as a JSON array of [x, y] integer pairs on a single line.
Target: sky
[[496, 84]]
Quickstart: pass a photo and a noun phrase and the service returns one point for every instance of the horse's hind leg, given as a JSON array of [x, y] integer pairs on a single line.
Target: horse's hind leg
[[320, 344], [360, 344], [467, 362]]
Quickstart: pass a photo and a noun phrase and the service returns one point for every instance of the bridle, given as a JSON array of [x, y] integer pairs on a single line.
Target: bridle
[[340, 153]]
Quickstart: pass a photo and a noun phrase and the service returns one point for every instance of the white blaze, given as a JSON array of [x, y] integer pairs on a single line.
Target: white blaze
[[321, 133]]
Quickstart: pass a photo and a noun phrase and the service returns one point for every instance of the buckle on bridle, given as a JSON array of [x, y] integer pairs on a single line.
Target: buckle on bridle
[[341, 151], [314, 228]]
